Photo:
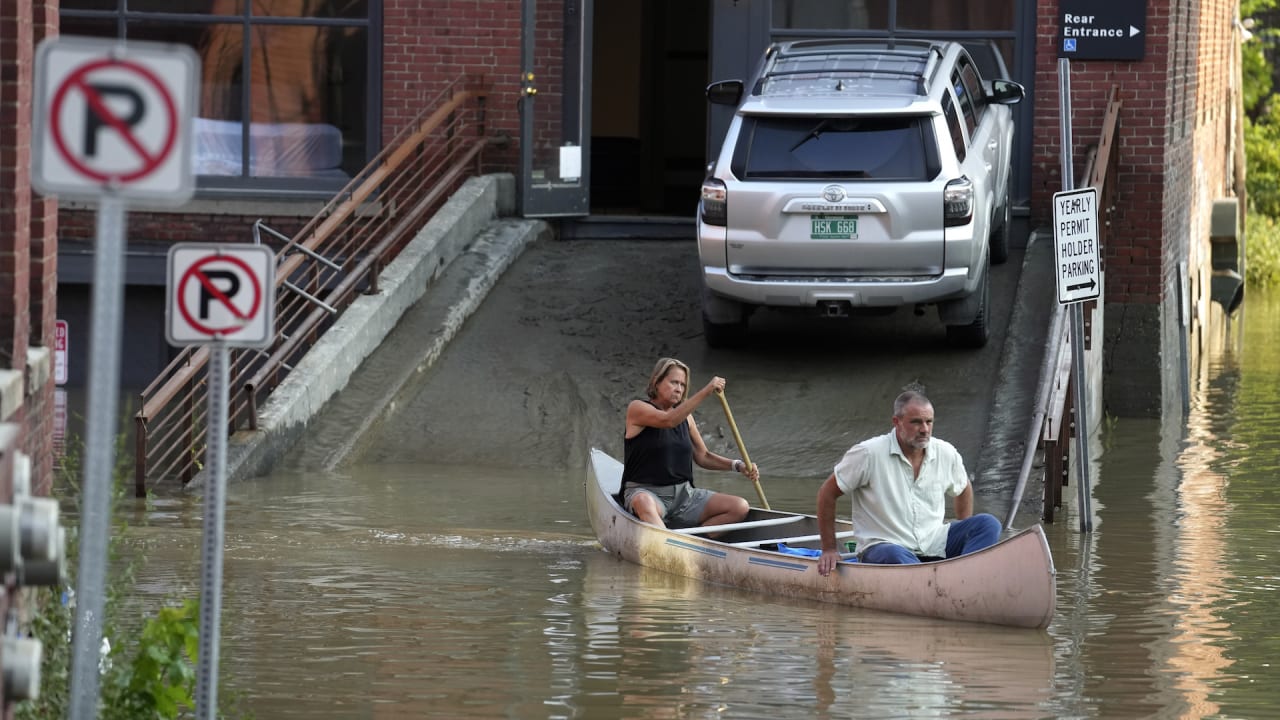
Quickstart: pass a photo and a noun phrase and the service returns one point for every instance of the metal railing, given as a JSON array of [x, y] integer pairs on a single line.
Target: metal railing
[[336, 256], [1055, 422]]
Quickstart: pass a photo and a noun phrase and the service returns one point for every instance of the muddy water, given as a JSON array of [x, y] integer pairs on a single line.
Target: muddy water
[[414, 583]]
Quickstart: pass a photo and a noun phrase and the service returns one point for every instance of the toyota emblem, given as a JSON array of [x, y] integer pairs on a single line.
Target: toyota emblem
[[833, 193]]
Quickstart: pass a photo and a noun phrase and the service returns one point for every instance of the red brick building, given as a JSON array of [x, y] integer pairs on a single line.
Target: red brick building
[[1181, 155]]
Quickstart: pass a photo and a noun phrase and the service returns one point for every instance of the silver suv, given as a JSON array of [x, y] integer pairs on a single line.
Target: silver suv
[[858, 175]]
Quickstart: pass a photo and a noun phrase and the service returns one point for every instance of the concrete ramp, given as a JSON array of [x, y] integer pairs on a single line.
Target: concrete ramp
[[411, 348], [447, 269]]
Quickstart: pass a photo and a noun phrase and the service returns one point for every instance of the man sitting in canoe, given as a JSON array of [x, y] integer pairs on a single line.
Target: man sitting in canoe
[[661, 444], [897, 482]]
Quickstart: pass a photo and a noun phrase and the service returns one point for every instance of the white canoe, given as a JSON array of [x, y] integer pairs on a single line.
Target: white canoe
[[1010, 583]]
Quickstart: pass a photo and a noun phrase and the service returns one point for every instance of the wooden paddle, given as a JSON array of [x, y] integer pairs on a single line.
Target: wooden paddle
[[742, 449]]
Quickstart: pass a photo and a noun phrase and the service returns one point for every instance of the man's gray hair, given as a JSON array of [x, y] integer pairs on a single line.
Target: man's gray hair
[[913, 394]]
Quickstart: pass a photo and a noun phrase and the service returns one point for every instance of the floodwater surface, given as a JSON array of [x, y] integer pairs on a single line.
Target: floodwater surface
[[415, 590]]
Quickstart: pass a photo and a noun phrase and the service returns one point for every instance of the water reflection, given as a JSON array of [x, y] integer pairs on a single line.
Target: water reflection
[[1164, 610], [423, 590], [664, 646]]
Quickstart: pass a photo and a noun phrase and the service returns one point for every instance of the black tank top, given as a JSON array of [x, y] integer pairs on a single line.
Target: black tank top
[[658, 456]]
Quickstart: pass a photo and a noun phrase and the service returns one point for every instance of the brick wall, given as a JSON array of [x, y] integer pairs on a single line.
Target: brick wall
[[1132, 269], [28, 230], [1176, 131], [425, 45], [28, 252], [1212, 160], [144, 227]]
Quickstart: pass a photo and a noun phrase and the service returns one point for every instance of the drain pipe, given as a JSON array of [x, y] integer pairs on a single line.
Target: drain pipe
[[1048, 368]]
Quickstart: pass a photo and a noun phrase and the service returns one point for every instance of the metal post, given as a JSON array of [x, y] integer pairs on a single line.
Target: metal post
[[214, 503], [100, 455], [1083, 490]]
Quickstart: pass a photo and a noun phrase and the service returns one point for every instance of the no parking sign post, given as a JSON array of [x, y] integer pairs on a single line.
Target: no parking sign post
[[219, 296], [111, 124]]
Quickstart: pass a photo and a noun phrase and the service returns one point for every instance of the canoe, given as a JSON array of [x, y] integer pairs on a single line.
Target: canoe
[[1010, 583]]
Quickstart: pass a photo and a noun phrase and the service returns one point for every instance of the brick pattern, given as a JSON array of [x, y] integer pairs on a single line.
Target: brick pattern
[[1137, 222], [28, 246], [426, 45], [1177, 145], [16, 66], [44, 222], [28, 225], [164, 228], [1175, 136]]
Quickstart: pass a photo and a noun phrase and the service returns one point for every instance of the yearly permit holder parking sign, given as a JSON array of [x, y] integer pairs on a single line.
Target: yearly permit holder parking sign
[[220, 294]]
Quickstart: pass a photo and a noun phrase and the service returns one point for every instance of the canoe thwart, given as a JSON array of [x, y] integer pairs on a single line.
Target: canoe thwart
[[796, 539], [739, 525]]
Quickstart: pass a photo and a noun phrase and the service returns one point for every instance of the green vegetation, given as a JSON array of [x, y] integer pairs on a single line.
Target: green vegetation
[[1263, 262], [146, 674], [1262, 150], [151, 678]]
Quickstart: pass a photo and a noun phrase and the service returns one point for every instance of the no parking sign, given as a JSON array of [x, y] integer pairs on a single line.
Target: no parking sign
[[221, 293], [114, 117]]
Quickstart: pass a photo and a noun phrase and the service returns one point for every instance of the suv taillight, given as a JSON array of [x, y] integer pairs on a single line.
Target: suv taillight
[[715, 206], [957, 202]]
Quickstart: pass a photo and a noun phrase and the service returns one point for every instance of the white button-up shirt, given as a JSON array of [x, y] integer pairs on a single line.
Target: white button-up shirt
[[890, 504]]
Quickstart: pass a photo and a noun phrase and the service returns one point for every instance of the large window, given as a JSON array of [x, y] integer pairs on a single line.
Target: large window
[[287, 99]]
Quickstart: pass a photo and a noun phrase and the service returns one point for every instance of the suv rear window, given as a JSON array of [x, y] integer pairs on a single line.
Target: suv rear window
[[861, 148]]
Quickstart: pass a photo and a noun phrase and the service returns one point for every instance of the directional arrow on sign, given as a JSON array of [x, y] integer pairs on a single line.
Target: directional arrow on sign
[[1133, 31], [1091, 285]]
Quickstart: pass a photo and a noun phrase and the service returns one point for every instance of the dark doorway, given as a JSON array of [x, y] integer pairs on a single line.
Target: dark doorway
[[648, 111]]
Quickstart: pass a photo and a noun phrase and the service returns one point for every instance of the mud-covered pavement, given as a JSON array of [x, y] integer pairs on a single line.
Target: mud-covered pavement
[[544, 368]]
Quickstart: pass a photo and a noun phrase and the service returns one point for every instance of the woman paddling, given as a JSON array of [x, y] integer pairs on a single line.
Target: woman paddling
[[662, 443]]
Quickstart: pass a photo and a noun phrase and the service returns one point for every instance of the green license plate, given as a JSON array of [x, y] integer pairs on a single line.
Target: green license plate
[[833, 227]]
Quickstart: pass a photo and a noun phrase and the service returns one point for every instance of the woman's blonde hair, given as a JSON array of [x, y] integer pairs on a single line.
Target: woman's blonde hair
[[660, 371]]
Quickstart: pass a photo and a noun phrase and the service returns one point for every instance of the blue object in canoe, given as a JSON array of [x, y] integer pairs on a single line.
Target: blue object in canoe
[[806, 552]]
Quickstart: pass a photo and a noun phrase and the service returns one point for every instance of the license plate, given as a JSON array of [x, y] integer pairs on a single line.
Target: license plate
[[833, 227]]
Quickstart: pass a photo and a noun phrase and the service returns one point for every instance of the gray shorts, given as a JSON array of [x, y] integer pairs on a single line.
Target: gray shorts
[[682, 504]]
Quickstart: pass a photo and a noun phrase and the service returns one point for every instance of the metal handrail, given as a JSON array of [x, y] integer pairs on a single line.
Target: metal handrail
[[334, 258], [1054, 412]]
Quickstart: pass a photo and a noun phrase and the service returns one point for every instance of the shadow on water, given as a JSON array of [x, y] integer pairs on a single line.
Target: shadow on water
[[458, 590]]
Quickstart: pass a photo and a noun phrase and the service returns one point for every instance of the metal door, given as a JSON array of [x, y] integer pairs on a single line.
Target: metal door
[[555, 108]]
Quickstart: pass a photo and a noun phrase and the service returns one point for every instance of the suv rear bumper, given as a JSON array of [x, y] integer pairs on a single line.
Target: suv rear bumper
[[811, 292]]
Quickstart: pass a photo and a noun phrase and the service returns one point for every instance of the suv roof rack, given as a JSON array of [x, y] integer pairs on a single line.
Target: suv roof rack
[[827, 44], [876, 49]]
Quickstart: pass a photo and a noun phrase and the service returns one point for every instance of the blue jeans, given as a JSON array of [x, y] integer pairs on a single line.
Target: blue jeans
[[964, 536]]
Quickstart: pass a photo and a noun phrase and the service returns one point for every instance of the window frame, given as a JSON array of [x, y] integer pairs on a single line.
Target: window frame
[[964, 102], [973, 85], [955, 128], [269, 187]]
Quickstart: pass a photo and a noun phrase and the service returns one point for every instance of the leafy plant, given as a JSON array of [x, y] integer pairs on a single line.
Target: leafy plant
[[1255, 66], [1262, 245], [159, 679], [1262, 148]]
